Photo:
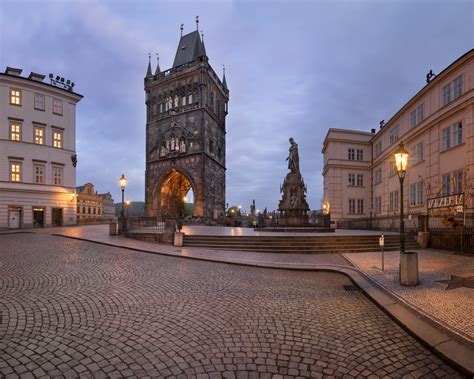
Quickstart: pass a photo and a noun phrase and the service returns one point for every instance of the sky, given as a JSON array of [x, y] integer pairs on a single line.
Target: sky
[[293, 68]]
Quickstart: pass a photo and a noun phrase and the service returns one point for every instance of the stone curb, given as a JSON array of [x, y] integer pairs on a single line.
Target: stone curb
[[459, 354]]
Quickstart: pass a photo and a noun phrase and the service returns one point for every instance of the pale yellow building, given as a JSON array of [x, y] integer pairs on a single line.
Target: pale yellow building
[[37, 150], [436, 127]]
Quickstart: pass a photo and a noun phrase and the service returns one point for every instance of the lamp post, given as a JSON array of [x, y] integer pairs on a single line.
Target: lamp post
[[123, 184], [408, 260], [401, 162]]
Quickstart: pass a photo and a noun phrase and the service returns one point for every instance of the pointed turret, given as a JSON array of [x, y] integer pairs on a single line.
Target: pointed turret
[[158, 70], [148, 71], [203, 47], [224, 82]]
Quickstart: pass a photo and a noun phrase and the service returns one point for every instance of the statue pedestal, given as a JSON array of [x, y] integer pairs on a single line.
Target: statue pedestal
[[293, 206]]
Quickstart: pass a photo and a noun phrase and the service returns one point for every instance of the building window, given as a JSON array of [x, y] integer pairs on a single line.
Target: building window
[[360, 154], [58, 107], [378, 204], [57, 176], [360, 206], [378, 175], [393, 200], [39, 101], [15, 171], [417, 153], [417, 116], [356, 206], [452, 90], [15, 96], [57, 139], [447, 93], [446, 138], [417, 193], [190, 99], [394, 134], [378, 149], [452, 183], [457, 133], [392, 169], [351, 154], [39, 174], [458, 86], [360, 180], [15, 131], [39, 135], [352, 206], [351, 180]]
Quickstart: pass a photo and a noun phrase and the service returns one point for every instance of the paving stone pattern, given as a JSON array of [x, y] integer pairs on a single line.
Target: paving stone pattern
[[76, 309], [454, 309]]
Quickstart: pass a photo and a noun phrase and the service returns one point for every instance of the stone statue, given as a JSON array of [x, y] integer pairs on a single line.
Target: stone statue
[[293, 157], [74, 160], [293, 206]]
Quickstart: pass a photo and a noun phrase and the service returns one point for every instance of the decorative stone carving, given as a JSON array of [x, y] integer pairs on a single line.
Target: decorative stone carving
[[293, 205]]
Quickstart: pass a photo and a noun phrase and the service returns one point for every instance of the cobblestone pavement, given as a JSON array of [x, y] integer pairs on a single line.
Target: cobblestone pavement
[[453, 309], [74, 308], [99, 233]]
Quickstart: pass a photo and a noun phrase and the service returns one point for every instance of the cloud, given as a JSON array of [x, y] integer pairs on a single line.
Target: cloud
[[293, 69]]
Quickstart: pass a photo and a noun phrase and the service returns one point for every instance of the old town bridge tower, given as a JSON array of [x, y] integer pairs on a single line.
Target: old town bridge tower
[[185, 134]]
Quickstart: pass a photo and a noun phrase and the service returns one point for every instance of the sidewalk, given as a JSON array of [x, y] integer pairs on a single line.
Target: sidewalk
[[443, 319]]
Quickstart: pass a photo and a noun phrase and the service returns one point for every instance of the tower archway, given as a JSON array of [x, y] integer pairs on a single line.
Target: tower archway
[[171, 193]]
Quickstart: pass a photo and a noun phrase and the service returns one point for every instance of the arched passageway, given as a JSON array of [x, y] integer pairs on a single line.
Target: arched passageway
[[174, 194]]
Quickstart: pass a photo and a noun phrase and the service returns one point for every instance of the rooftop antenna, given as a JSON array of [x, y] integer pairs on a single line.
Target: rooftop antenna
[[197, 23], [202, 36], [182, 28], [223, 69], [149, 57]]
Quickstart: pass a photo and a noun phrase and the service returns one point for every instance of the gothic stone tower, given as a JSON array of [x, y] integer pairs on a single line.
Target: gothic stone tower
[[185, 134]]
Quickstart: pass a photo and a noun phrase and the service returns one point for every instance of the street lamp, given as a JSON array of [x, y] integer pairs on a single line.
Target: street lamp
[[123, 184], [401, 162], [408, 260]]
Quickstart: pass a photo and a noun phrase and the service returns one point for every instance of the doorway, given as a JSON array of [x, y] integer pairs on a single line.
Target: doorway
[[38, 217], [57, 216], [14, 218]]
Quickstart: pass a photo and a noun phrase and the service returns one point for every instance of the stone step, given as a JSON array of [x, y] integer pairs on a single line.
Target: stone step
[[298, 244]]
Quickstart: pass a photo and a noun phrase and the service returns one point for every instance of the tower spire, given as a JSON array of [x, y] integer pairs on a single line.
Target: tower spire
[[148, 71], [197, 23], [224, 82], [203, 47], [158, 70], [182, 28]]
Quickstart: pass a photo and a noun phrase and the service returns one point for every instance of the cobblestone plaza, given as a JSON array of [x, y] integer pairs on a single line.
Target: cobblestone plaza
[[77, 309]]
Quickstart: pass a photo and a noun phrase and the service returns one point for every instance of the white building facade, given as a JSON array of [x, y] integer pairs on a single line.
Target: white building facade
[[37, 151]]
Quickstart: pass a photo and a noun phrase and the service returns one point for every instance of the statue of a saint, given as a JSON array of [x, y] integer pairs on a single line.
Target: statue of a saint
[[293, 157]]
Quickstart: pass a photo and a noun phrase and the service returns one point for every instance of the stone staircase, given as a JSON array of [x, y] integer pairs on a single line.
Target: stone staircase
[[299, 244]]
